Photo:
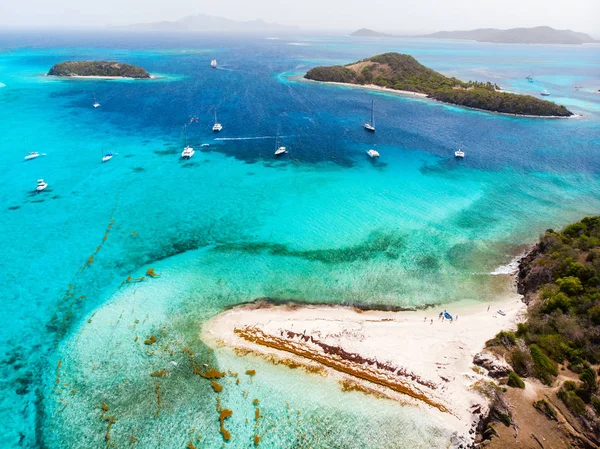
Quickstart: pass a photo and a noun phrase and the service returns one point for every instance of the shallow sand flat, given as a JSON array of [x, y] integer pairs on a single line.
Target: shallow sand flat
[[400, 355]]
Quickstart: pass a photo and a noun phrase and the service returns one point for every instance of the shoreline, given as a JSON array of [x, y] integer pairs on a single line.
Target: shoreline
[[407, 93], [411, 357], [99, 77]]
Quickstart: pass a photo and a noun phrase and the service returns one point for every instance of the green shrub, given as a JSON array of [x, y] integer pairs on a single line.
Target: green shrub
[[596, 405], [515, 381], [594, 314], [573, 402], [521, 362], [522, 329], [543, 367], [504, 338], [555, 346], [546, 409], [570, 285], [588, 377]]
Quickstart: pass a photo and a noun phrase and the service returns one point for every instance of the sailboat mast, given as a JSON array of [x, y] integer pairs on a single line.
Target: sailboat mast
[[373, 113]]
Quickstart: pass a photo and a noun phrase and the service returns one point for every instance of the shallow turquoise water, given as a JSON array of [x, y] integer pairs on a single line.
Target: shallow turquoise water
[[322, 225]]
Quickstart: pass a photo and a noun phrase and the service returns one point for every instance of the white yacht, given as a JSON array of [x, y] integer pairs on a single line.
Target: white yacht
[[459, 153], [373, 153], [279, 151], [371, 125], [187, 152], [217, 126], [96, 104], [213, 63], [32, 155], [544, 93], [41, 185], [107, 157]]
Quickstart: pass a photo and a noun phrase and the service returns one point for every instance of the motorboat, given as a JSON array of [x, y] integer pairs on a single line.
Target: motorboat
[[459, 153], [32, 155], [373, 153], [107, 157], [281, 150], [41, 185], [213, 63], [544, 93]]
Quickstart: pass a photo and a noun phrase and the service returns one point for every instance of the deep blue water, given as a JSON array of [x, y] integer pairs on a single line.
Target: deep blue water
[[323, 224]]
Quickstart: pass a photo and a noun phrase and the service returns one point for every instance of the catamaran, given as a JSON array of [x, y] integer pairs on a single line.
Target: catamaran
[[371, 125], [188, 151], [96, 104], [459, 153], [41, 185], [217, 126], [32, 155], [373, 153], [544, 93], [213, 63]]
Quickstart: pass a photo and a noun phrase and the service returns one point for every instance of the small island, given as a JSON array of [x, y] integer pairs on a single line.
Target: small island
[[98, 69], [404, 73]]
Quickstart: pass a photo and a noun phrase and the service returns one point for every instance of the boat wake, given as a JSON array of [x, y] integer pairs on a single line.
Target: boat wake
[[249, 138]]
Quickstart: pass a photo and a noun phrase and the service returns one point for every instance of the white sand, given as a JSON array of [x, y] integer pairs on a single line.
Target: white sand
[[440, 353], [374, 87]]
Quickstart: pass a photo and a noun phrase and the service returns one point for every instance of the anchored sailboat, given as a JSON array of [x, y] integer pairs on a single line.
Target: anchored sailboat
[[371, 125], [217, 126], [96, 104], [188, 151]]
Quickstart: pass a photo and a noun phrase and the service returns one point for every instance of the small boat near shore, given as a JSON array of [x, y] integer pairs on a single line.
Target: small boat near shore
[[501, 312], [107, 157], [32, 155], [213, 63], [544, 93], [41, 185], [96, 104]]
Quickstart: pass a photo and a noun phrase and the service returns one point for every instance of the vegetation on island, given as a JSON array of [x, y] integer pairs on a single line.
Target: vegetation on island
[[560, 280], [98, 68], [403, 72]]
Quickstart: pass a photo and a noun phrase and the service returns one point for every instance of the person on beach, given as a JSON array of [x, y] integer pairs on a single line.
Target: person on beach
[[441, 315], [431, 322], [456, 318], [488, 308]]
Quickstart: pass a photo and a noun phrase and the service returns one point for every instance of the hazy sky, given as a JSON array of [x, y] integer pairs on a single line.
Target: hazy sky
[[386, 15]]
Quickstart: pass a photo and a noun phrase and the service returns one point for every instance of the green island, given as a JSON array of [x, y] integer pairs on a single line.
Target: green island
[[98, 69], [403, 72], [557, 348]]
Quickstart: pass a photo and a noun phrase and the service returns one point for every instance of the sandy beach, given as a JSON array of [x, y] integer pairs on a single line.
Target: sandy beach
[[413, 357]]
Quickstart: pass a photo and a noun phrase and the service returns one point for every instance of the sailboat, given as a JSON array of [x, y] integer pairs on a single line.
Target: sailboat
[[460, 154], [544, 93], [213, 63], [529, 78], [217, 126], [371, 125], [188, 151], [280, 149], [96, 104]]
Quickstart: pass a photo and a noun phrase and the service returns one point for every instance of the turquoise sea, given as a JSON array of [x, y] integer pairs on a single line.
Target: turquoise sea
[[324, 224]]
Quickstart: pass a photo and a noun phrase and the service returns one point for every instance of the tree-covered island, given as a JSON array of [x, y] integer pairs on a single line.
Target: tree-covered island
[[98, 69], [403, 72]]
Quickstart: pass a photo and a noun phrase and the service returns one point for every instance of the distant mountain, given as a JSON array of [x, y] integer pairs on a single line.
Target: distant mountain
[[537, 35], [206, 23], [366, 32]]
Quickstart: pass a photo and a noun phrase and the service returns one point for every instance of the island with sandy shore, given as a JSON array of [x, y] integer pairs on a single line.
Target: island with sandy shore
[[404, 73], [98, 69], [518, 372]]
